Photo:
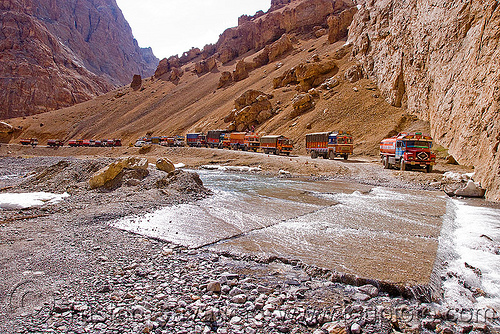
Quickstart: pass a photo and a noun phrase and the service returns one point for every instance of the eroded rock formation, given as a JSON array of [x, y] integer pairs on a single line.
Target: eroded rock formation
[[440, 61], [250, 109]]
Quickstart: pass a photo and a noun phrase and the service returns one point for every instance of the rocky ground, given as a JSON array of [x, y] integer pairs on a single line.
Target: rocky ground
[[64, 270]]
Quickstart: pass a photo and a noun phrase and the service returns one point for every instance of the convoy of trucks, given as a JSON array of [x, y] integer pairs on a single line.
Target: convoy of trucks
[[405, 151]]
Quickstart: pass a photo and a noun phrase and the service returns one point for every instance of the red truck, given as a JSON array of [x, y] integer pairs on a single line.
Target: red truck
[[276, 145], [55, 142], [408, 151]]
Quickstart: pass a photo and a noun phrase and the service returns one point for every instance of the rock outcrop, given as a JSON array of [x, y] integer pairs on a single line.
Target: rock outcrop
[[257, 32], [57, 53], [250, 109], [307, 75], [225, 80], [438, 60], [136, 82], [302, 103], [6, 131]]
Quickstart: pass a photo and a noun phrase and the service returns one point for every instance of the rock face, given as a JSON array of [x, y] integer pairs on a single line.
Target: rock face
[[6, 131], [56, 53], [439, 61], [271, 28], [257, 32]]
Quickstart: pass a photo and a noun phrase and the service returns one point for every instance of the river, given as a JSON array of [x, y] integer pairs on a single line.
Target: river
[[380, 233]]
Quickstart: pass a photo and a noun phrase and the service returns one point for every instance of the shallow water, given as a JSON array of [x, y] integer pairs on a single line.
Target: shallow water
[[373, 232]]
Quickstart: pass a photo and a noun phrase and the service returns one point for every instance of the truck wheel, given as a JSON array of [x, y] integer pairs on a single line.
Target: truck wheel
[[385, 162], [287, 153], [346, 156], [404, 167], [314, 154], [428, 169]]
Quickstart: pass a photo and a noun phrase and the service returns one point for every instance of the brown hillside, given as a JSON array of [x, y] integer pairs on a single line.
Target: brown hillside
[[195, 104]]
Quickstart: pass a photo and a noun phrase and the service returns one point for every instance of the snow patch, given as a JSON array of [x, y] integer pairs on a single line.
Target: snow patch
[[232, 168], [15, 201]]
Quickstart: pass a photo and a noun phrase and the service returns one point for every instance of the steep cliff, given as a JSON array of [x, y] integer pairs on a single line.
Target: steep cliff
[[440, 61], [55, 53]]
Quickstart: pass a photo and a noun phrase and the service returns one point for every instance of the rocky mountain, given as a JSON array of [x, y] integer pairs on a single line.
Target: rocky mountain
[[55, 53], [372, 67], [440, 61]]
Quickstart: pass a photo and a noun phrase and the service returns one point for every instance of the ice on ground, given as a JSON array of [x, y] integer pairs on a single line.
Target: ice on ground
[[179, 165], [474, 276], [14, 201], [232, 168], [457, 177]]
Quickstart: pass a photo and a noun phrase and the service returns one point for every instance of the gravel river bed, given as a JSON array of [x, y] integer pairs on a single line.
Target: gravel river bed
[[241, 253]]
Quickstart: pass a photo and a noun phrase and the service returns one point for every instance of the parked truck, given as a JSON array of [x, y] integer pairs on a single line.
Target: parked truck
[[276, 144], [29, 141], [214, 138], [408, 151], [55, 142], [196, 139], [252, 142], [329, 144], [237, 140]]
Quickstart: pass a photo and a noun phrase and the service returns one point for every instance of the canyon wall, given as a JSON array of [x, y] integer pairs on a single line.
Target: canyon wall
[[55, 53], [439, 60]]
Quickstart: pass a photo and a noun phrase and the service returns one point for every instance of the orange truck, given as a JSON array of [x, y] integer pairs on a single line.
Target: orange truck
[[408, 151], [329, 144], [237, 140], [276, 145], [252, 142]]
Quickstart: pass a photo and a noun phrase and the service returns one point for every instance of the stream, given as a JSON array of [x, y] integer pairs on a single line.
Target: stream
[[374, 232]]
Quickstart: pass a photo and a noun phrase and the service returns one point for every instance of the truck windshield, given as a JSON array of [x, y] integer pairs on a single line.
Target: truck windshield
[[418, 143]]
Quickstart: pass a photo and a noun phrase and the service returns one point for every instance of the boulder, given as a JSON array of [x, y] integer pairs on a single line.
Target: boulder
[[226, 79], [165, 165], [242, 70], [107, 174], [470, 190], [250, 109], [6, 128], [301, 103], [334, 328], [330, 83], [205, 66], [451, 160], [310, 75], [262, 58], [136, 82], [320, 32], [353, 73], [280, 47]]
